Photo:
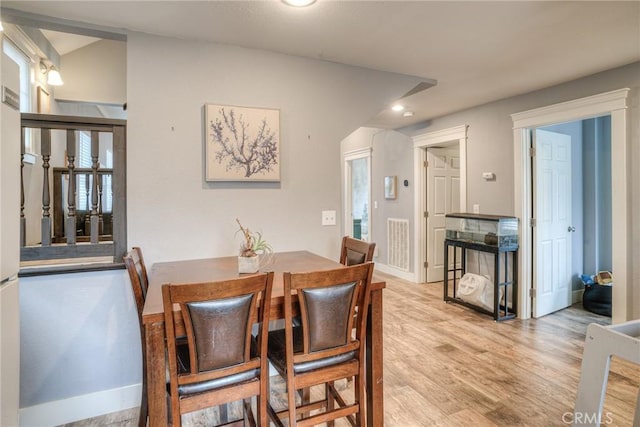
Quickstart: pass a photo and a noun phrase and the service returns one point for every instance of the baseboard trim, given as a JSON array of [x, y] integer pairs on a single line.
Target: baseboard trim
[[384, 268], [576, 296], [81, 407]]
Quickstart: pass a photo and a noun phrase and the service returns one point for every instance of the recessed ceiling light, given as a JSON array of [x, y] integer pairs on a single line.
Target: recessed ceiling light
[[407, 114], [298, 3], [397, 107]]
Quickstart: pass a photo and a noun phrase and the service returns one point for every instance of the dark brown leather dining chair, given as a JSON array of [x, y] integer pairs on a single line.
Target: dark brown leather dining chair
[[354, 251], [137, 270], [323, 349], [134, 261], [226, 363]]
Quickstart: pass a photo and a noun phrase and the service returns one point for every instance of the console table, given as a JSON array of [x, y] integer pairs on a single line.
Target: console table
[[501, 309]]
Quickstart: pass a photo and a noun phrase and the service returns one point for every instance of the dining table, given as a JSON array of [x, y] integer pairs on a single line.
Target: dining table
[[224, 268]]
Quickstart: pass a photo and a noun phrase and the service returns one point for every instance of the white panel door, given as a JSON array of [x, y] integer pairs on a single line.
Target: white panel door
[[553, 231], [443, 197]]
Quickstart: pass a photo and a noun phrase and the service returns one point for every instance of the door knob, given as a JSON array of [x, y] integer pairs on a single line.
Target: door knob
[[571, 229]]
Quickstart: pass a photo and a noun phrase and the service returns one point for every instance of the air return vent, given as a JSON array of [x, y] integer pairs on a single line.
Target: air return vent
[[398, 243]]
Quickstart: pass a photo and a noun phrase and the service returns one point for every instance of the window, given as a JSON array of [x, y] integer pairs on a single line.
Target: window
[[85, 180], [107, 184], [24, 64]]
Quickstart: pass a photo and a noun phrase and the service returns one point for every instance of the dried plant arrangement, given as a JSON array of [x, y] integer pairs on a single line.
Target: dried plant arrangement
[[253, 243]]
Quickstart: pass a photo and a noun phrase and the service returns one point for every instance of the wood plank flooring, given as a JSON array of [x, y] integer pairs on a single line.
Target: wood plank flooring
[[447, 365]]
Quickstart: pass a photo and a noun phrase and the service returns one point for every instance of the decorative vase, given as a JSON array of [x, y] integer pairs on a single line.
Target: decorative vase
[[248, 264]]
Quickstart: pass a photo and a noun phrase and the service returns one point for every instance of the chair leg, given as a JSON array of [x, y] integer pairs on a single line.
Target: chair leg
[[305, 398], [274, 417], [248, 412], [175, 414], [271, 413], [358, 393], [291, 396], [330, 400], [144, 404]]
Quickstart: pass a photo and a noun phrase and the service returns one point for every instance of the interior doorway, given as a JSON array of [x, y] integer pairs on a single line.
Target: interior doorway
[[614, 104], [572, 208], [455, 137], [443, 197]]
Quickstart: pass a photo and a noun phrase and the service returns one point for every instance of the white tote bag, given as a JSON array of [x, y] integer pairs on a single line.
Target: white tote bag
[[476, 290]]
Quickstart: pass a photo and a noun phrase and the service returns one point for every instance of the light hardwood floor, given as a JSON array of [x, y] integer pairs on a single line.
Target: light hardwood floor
[[447, 365]]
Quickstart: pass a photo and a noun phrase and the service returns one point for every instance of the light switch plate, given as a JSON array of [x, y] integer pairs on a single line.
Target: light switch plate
[[489, 176], [476, 208], [328, 217]]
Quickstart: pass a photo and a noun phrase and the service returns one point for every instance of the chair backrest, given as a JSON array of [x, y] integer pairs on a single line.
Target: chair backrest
[[356, 251], [134, 262], [218, 319], [328, 301]]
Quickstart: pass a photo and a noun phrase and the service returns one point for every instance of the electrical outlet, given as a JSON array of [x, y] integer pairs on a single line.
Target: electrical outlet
[[328, 217], [476, 208]]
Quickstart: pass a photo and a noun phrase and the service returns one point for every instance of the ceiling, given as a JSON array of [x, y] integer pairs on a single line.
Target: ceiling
[[477, 51], [66, 42]]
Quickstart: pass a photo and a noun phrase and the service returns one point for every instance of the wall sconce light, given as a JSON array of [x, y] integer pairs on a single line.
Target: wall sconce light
[[53, 76]]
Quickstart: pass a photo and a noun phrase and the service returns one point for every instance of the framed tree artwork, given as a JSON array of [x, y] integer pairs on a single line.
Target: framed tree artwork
[[242, 143]]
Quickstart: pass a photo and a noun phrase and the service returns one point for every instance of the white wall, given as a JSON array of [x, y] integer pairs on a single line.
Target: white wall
[[79, 335], [95, 73], [392, 156], [359, 139], [172, 213], [598, 213]]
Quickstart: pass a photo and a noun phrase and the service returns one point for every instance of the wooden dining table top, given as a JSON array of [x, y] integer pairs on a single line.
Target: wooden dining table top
[[224, 268]]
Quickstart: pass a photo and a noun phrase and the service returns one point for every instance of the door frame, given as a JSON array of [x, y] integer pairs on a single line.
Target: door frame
[[449, 149], [347, 157], [420, 144], [613, 103]]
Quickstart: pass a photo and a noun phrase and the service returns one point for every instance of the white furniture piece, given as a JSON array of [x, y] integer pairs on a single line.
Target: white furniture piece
[[602, 342], [9, 243]]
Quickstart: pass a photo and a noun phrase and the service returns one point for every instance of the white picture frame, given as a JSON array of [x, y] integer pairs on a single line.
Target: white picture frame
[[390, 187]]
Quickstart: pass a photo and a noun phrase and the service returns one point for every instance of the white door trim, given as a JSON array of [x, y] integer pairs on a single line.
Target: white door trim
[[615, 104], [420, 144]]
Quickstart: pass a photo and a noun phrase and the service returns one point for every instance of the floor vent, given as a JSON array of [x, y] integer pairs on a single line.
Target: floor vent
[[398, 243]]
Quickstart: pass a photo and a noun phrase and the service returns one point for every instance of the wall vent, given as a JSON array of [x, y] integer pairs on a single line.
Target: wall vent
[[398, 243]]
